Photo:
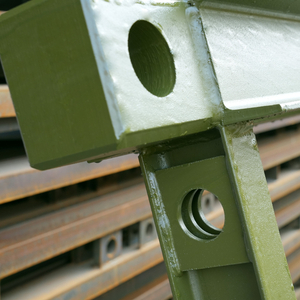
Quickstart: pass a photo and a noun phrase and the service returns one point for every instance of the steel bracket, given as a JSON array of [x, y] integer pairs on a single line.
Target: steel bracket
[[245, 259]]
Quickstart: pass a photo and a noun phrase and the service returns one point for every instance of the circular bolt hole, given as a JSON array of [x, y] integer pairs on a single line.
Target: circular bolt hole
[[111, 247], [151, 58], [196, 221], [149, 229]]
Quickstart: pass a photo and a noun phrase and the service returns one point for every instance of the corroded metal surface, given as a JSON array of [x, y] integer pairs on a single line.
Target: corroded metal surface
[[60, 229], [6, 105], [84, 281], [75, 278], [38, 234], [39, 244], [278, 149], [18, 179]]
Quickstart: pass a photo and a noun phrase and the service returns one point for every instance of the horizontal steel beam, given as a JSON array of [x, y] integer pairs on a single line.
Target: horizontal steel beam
[[159, 291], [287, 183], [6, 105], [287, 208], [19, 180], [57, 232], [81, 281], [151, 284], [264, 127], [7, 110], [278, 149], [37, 240], [84, 281]]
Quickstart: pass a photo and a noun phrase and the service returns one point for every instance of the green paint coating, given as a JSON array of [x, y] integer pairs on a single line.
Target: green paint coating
[[67, 101], [67, 114], [174, 184], [173, 169], [259, 113], [67, 108], [254, 203], [197, 268]]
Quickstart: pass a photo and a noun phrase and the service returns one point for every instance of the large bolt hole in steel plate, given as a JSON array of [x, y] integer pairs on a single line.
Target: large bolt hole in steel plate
[[151, 58], [202, 215]]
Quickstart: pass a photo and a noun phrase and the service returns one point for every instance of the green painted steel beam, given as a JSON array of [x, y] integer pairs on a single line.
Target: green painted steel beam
[[102, 89], [245, 260], [181, 83]]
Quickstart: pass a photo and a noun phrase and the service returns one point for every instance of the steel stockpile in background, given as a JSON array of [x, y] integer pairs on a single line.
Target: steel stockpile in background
[[181, 83], [50, 235]]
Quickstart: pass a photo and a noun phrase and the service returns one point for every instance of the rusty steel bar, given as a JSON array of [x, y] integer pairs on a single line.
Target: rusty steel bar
[[6, 106], [290, 240], [37, 226], [158, 290], [287, 208], [86, 282], [39, 245], [16, 212], [276, 124], [154, 280], [287, 183], [19, 180], [278, 149], [68, 228]]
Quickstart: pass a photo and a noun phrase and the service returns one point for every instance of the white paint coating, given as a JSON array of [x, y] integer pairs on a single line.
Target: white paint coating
[[256, 57], [289, 98], [139, 109], [108, 87], [205, 67]]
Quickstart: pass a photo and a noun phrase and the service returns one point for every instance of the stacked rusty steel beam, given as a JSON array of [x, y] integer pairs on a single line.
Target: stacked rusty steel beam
[[6, 105], [85, 231]]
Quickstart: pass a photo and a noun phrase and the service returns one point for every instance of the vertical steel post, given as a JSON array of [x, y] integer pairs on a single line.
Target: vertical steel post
[[245, 260]]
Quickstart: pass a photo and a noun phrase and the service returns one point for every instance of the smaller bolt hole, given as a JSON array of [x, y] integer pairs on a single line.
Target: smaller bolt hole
[[149, 229], [111, 247]]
